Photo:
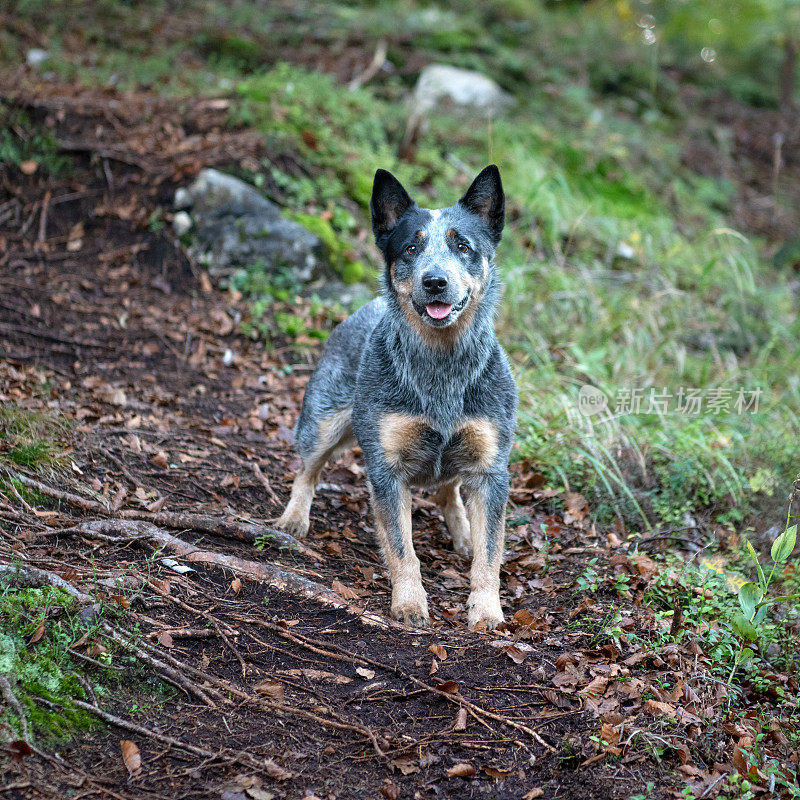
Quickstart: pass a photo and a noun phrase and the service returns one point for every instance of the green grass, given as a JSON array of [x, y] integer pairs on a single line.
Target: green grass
[[30, 439], [620, 265]]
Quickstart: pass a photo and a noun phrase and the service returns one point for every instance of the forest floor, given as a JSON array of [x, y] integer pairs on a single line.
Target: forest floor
[[284, 676]]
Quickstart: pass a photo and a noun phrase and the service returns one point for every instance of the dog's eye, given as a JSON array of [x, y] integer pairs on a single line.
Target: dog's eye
[[463, 248], [411, 249]]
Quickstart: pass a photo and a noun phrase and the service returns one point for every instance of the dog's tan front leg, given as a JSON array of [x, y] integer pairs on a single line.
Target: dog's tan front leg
[[486, 509], [391, 503], [455, 517]]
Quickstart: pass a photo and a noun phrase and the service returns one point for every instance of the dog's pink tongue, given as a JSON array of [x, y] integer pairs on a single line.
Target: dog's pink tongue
[[438, 310]]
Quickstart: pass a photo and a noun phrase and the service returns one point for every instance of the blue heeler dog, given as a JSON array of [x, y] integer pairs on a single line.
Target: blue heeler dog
[[420, 381]]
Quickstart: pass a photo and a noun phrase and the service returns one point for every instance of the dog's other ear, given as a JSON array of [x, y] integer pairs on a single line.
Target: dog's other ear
[[388, 203], [486, 199]]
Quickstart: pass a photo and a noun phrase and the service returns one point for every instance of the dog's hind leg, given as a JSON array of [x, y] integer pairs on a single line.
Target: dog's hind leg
[[486, 509], [331, 433], [455, 516]]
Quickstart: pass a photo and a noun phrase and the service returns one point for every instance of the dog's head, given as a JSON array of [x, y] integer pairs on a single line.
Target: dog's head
[[439, 264]]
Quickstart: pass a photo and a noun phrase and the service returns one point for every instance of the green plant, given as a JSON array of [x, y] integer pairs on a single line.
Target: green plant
[[753, 597], [588, 580], [649, 789]]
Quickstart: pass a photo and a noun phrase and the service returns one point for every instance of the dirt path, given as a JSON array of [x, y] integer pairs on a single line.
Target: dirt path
[[103, 320]]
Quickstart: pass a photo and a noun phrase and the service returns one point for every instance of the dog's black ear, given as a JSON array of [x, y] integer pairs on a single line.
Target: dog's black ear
[[388, 203], [486, 199]]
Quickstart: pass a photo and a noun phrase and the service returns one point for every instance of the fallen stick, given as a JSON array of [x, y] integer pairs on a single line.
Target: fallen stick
[[72, 499]]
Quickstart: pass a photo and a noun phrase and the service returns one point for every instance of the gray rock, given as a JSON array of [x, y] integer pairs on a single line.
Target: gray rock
[[444, 88], [237, 227], [181, 223], [36, 56]]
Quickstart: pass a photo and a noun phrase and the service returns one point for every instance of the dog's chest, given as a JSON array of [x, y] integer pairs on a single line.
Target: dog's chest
[[423, 455]]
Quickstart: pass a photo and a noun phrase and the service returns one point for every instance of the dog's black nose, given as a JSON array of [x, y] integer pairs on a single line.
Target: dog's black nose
[[434, 282]]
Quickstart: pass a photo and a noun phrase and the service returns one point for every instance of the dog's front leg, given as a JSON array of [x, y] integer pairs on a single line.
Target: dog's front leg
[[486, 509], [391, 504]]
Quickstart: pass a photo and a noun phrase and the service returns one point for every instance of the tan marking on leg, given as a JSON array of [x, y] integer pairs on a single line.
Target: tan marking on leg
[[332, 433], [409, 601], [455, 516], [480, 439], [483, 604], [398, 435]]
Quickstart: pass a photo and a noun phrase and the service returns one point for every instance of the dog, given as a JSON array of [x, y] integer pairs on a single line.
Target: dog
[[418, 379]]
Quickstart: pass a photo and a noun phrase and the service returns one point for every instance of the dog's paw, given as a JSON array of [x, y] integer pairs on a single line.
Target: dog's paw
[[410, 605], [463, 546], [484, 611], [292, 522]]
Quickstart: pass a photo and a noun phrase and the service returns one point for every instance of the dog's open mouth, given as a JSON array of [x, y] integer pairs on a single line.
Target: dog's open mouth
[[443, 312]]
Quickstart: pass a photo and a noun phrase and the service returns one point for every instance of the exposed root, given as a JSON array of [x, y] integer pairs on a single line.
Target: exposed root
[[24, 575]]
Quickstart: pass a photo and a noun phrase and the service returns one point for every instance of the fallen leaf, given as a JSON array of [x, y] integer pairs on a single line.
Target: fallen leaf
[[132, 757], [461, 720], [434, 666], [497, 774], [448, 687], [121, 601], [271, 689], [596, 687], [533, 794], [344, 591], [236, 585], [438, 651], [463, 770], [165, 639], [390, 790], [406, 765], [37, 634], [523, 617], [20, 749], [366, 674], [276, 771]]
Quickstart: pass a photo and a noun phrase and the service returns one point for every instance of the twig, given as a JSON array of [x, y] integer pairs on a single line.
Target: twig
[[43, 217], [39, 333], [170, 674], [262, 479], [11, 699]]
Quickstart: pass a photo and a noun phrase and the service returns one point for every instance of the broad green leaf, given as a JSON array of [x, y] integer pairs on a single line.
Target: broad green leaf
[[762, 581], [761, 615], [782, 547], [749, 596], [746, 655], [745, 628]]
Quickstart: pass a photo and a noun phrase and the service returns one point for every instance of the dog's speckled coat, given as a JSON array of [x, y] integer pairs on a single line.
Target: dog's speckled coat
[[419, 380]]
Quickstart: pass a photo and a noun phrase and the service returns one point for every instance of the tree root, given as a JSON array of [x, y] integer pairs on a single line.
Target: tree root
[[225, 527], [277, 577], [24, 575]]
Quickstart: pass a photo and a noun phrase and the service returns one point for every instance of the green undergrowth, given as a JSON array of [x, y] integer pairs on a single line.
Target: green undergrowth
[[29, 145], [37, 629]]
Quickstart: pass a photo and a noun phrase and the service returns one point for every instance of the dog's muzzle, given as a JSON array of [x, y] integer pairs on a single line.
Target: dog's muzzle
[[439, 314]]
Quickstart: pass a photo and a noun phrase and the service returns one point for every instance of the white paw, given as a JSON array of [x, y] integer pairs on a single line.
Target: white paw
[[293, 522], [410, 605], [483, 609]]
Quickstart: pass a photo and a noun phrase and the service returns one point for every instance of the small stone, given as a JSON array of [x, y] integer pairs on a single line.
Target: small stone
[[227, 358], [181, 223], [182, 198], [263, 412], [36, 56]]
